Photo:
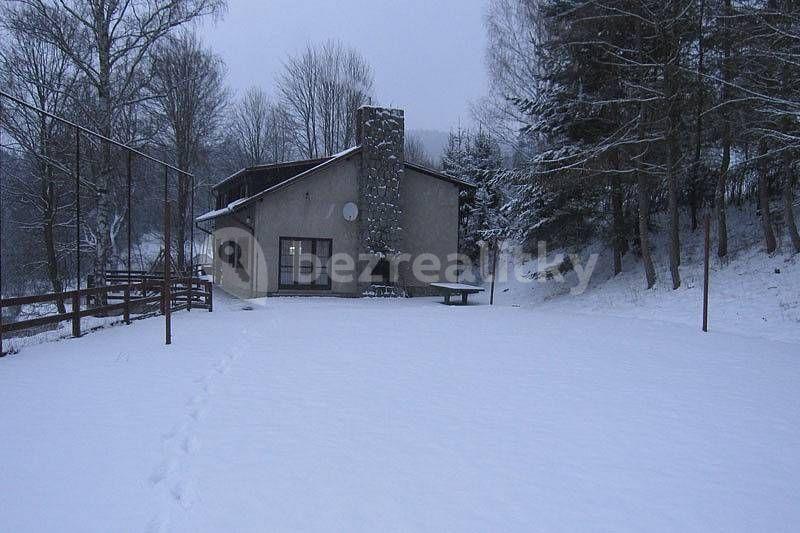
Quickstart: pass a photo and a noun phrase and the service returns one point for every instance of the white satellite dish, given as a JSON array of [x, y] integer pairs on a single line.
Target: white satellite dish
[[350, 211]]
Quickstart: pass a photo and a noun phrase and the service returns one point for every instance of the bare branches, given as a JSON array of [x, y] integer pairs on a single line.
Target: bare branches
[[321, 89]]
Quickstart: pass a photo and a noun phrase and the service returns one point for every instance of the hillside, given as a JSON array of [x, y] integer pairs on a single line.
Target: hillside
[[751, 293]]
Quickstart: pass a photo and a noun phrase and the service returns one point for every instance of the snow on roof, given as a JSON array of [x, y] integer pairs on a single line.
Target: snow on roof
[[227, 210], [457, 286]]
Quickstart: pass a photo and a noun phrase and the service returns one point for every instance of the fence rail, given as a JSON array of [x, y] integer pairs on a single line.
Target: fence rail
[[130, 298], [108, 292]]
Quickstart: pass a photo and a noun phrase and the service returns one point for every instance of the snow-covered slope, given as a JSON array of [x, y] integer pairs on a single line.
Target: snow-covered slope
[[751, 293]]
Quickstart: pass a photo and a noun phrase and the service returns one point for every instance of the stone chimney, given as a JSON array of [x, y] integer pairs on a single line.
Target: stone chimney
[[380, 132]]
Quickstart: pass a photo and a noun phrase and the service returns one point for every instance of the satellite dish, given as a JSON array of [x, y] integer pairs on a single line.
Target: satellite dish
[[350, 211]]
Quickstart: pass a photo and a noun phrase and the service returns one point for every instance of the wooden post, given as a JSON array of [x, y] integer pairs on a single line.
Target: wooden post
[[209, 295], [1, 233], [127, 308], [494, 271], [705, 271], [77, 208], [76, 314], [166, 291], [130, 155]]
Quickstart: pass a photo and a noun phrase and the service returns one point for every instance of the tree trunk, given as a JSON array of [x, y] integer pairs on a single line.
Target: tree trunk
[[618, 223], [182, 215], [644, 230], [722, 182], [695, 188], [103, 181], [763, 200], [642, 182], [49, 243], [48, 213], [674, 221], [673, 118], [788, 210]]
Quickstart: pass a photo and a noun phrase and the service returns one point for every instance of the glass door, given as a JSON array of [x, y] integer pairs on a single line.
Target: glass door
[[304, 263]]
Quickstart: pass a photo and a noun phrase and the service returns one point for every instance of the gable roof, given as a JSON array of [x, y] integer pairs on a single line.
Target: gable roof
[[328, 162], [439, 175], [274, 177], [272, 173]]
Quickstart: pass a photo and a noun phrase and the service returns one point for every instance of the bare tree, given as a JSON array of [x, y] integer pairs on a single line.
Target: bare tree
[[189, 81], [321, 89], [40, 74], [726, 136], [261, 130], [415, 152], [514, 32], [113, 40]]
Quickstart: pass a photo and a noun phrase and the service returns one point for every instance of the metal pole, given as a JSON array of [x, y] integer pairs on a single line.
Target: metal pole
[[494, 271], [166, 184], [1, 229], [77, 209], [166, 295], [69, 124], [705, 271], [191, 250], [130, 156]]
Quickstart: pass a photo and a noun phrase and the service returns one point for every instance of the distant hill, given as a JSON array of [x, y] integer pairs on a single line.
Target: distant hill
[[434, 141]]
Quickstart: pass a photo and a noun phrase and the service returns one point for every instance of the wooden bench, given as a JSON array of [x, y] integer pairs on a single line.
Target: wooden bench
[[451, 289]]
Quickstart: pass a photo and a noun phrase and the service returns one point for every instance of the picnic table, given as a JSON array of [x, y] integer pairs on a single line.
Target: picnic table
[[450, 289]]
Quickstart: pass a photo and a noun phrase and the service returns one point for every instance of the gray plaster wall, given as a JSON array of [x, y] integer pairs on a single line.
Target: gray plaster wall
[[310, 207], [235, 281], [429, 220]]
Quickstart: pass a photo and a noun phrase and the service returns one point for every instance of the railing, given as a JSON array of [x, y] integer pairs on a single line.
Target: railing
[[134, 298]]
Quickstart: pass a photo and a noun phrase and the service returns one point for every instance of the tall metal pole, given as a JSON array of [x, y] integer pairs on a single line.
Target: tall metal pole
[[77, 208], [1, 228], [167, 259], [130, 156], [191, 249], [166, 199], [705, 271], [87, 131], [167, 296], [494, 270]]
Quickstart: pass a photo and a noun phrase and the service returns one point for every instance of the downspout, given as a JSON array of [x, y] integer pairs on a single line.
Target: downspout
[[204, 230]]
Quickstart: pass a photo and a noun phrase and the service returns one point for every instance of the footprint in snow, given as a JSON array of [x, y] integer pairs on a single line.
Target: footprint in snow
[[190, 444], [157, 525], [184, 494], [162, 472]]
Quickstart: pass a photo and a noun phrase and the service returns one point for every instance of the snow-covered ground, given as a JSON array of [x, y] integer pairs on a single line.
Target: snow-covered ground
[[376, 415], [751, 293]]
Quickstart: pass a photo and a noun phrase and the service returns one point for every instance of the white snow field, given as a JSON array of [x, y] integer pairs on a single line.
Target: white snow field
[[401, 415]]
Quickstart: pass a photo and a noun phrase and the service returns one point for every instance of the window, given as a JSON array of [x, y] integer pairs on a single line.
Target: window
[[304, 263]]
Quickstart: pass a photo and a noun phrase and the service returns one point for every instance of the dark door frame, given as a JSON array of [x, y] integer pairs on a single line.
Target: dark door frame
[[303, 286]]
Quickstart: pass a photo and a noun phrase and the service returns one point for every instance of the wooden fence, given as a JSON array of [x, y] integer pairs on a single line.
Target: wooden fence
[[146, 295]]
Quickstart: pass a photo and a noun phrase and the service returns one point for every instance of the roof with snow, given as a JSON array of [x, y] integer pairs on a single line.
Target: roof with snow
[[268, 178]]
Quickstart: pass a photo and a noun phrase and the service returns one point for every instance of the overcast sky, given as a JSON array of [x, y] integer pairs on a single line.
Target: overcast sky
[[428, 55]]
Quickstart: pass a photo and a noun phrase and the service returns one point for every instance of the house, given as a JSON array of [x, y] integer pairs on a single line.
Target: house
[[340, 225]]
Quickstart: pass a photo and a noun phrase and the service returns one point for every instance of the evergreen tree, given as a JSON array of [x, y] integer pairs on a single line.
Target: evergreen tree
[[478, 159]]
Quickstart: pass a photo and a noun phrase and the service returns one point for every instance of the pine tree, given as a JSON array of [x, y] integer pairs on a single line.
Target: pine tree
[[478, 159]]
